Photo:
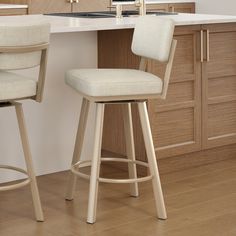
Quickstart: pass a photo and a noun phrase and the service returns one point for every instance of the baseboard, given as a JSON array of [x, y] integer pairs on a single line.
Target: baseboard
[[181, 162]]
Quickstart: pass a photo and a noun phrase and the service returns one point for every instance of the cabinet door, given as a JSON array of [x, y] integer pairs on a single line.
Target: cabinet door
[[91, 5], [219, 86], [182, 7], [49, 6], [11, 12], [176, 121]]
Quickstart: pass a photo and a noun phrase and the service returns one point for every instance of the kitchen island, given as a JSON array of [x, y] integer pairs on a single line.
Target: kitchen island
[[197, 122]]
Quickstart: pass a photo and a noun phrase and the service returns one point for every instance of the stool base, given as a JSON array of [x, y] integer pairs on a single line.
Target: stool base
[[95, 163]]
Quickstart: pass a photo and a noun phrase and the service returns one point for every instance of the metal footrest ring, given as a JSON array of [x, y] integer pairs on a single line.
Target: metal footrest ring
[[22, 183], [80, 164]]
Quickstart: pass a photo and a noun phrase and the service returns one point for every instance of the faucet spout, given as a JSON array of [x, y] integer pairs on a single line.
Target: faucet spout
[[141, 4]]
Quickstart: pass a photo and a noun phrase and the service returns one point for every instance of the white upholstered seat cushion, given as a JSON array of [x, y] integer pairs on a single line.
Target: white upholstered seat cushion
[[113, 82], [14, 86]]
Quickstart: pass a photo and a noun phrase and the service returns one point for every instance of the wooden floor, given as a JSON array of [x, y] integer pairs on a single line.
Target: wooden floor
[[200, 201]]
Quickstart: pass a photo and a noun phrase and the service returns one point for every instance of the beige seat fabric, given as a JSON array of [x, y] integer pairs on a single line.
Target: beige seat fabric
[[113, 82], [14, 86]]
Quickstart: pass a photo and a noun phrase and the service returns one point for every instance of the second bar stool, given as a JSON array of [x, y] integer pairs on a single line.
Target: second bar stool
[[152, 39], [23, 46]]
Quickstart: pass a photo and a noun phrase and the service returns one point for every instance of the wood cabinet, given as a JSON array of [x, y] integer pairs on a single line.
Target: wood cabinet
[[200, 110], [49, 6], [61, 6], [219, 85], [172, 7], [64, 6], [157, 7], [91, 5], [176, 121], [13, 11], [182, 7]]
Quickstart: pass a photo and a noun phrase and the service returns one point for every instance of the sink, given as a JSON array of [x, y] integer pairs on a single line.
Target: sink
[[108, 14], [85, 14]]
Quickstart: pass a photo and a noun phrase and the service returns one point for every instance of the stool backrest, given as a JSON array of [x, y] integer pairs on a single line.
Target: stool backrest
[[24, 46], [153, 37], [23, 36]]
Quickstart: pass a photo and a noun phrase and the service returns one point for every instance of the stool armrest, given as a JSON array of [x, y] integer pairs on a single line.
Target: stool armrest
[[168, 69], [42, 75], [143, 64], [24, 49]]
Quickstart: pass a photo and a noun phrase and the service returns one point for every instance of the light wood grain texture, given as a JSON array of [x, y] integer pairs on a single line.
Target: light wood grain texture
[[92, 5], [172, 7], [199, 112], [200, 201], [11, 12], [16, 1], [218, 86], [186, 161], [49, 6], [56, 6], [175, 122], [182, 7]]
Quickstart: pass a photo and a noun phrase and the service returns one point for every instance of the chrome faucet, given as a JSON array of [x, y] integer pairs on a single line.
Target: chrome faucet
[[141, 4], [142, 7]]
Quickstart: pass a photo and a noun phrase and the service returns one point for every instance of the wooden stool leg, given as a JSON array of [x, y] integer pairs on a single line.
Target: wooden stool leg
[[29, 163], [130, 150], [160, 205], [78, 147], [95, 168]]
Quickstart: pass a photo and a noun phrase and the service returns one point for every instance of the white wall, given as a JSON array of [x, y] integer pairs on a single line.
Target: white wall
[[222, 7]]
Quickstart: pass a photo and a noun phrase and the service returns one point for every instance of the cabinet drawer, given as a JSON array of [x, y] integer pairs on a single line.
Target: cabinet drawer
[[49, 6], [182, 7], [10, 12], [91, 5]]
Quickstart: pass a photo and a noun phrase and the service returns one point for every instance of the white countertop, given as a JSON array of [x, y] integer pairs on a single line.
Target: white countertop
[[12, 6], [70, 24]]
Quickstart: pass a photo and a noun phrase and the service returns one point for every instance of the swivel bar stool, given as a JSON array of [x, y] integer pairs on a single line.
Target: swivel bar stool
[[152, 39], [22, 47]]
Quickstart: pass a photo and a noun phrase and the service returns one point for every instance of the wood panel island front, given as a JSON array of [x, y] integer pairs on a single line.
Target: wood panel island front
[[197, 121], [199, 112]]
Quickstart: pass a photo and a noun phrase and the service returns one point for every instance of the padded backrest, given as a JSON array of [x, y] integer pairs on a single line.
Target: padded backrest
[[19, 35], [153, 37]]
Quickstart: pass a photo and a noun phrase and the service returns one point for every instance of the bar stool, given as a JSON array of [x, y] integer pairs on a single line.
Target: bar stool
[[22, 47], [152, 39]]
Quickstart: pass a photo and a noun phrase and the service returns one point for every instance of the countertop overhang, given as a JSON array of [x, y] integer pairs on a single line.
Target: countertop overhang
[[70, 24]]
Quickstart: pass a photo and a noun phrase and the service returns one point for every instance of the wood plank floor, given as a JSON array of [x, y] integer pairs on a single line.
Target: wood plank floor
[[200, 201]]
